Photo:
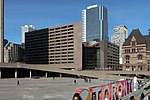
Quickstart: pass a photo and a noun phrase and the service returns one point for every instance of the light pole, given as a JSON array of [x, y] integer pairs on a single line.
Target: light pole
[[1, 31]]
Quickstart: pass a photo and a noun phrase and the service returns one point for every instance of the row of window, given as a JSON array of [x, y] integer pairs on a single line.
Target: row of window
[[140, 57], [61, 59], [133, 68], [57, 28], [133, 50], [61, 53], [61, 56], [61, 62], [62, 33]]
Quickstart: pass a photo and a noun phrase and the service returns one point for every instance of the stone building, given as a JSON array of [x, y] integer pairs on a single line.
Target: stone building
[[136, 52]]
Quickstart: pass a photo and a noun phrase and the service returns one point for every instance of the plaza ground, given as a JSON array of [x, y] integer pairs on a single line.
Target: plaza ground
[[43, 88]]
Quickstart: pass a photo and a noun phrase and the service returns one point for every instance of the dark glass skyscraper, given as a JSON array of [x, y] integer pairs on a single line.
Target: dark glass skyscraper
[[95, 23]]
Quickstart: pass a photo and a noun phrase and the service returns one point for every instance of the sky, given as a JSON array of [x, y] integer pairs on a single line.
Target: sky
[[133, 14]]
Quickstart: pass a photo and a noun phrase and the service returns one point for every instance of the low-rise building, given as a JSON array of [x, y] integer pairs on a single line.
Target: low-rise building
[[101, 55]]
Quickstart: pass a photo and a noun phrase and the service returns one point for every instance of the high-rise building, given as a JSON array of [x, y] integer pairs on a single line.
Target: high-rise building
[[83, 25], [119, 36], [1, 31], [12, 52], [95, 23], [26, 28], [57, 46]]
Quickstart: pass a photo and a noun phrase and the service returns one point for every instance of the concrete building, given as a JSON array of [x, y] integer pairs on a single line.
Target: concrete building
[[12, 52], [136, 52], [26, 28], [1, 31], [119, 36], [101, 55], [95, 23], [113, 57], [56, 46]]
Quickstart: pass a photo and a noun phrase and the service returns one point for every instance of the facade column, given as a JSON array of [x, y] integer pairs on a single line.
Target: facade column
[[0, 74], [45, 74], [60, 75], [30, 73], [1, 31], [16, 73]]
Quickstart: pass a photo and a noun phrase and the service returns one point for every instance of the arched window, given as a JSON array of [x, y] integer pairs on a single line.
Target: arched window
[[140, 57]]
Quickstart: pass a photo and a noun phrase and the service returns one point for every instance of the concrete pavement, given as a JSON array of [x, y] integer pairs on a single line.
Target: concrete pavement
[[43, 89]]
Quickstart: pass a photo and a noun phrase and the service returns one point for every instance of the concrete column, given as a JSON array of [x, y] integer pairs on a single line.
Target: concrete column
[[60, 75], [30, 73], [1, 31], [0, 74], [46, 75], [15, 73]]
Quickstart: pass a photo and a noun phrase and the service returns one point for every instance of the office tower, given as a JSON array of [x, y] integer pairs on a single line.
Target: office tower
[[59, 46], [1, 31], [12, 52], [83, 25], [119, 36], [95, 23], [26, 28]]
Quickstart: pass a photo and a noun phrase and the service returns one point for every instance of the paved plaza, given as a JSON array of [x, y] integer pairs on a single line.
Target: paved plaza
[[43, 89]]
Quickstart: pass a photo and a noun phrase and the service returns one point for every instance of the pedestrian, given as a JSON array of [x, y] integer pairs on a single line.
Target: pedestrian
[[18, 83], [89, 80], [75, 82], [142, 96]]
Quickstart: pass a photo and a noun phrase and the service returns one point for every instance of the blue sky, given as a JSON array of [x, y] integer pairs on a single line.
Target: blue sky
[[45, 13]]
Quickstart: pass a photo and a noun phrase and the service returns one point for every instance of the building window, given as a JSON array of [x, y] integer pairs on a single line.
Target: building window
[[139, 49], [133, 50], [139, 57], [127, 50], [133, 68], [127, 62], [148, 61], [133, 43], [140, 68], [127, 57]]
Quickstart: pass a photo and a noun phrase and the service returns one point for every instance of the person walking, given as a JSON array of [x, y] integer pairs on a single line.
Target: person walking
[[75, 82], [18, 83], [142, 96]]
